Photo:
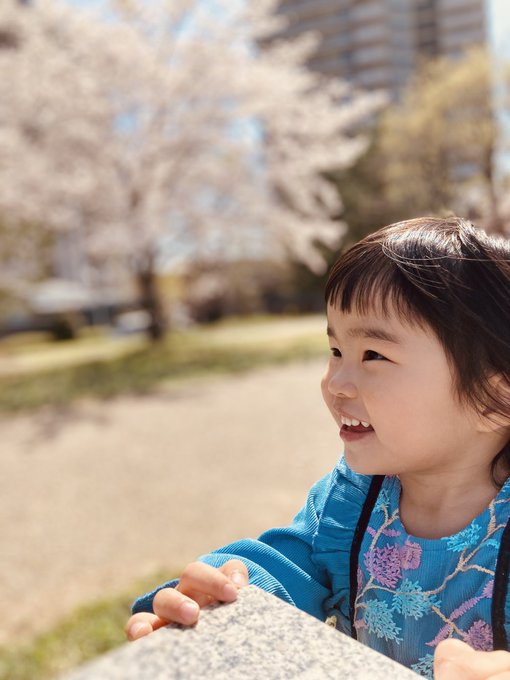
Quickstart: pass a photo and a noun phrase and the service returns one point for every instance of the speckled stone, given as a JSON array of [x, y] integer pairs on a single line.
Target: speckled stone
[[257, 637]]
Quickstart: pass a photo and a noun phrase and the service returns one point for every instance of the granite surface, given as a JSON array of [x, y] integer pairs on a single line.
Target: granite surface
[[256, 637]]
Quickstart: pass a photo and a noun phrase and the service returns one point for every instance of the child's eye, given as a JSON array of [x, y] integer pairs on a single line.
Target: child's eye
[[335, 352], [370, 355]]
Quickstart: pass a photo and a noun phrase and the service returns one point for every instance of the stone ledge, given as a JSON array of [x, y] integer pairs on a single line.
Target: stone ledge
[[259, 637]]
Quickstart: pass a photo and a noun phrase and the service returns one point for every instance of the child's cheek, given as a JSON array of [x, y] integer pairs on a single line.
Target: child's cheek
[[326, 394]]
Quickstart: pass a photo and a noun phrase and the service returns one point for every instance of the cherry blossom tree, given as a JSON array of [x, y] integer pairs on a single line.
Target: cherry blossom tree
[[170, 126]]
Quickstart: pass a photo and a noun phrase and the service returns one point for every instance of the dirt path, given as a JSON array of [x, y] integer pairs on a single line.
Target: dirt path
[[97, 497]]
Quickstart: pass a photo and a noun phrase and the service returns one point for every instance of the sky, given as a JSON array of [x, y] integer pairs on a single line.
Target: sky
[[499, 25]]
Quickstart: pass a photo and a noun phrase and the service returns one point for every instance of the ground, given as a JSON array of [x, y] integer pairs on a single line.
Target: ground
[[103, 493]]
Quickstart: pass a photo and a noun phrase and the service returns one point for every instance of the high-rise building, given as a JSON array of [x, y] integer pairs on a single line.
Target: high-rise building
[[379, 43]]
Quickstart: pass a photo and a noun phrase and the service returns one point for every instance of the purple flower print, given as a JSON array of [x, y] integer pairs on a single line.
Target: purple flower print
[[385, 532], [447, 629], [479, 636], [384, 565], [489, 589], [410, 555]]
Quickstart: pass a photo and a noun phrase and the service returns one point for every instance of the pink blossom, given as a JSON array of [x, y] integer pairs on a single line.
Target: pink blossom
[[95, 146], [410, 555]]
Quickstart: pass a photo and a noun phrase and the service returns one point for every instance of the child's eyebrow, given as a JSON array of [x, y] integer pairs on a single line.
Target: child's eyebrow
[[374, 334], [371, 333]]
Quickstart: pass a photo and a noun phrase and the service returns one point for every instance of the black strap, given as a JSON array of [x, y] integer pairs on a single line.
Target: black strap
[[500, 591], [500, 579], [361, 527]]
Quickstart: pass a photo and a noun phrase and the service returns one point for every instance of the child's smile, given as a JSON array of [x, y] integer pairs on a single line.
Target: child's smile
[[352, 428], [352, 433], [389, 388]]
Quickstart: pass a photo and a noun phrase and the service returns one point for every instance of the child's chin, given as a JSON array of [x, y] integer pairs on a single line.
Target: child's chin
[[362, 464]]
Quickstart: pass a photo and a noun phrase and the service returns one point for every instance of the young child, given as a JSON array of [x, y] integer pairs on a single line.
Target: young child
[[405, 545]]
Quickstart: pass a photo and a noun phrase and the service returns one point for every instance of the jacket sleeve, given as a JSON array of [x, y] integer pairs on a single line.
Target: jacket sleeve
[[281, 560]]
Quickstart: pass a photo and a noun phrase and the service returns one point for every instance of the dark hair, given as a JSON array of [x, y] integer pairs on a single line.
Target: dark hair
[[450, 276]]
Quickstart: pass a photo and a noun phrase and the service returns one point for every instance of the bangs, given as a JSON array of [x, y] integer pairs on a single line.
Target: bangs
[[447, 276], [365, 280]]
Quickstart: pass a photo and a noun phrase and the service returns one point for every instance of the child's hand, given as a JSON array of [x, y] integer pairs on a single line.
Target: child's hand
[[199, 585], [455, 660]]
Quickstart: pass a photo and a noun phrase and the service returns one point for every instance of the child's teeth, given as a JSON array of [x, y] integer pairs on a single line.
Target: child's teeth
[[354, 421]]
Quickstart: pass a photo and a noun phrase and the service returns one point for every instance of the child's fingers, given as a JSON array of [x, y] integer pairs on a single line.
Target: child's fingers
[[142, 624], [198, 577], [199, 585], [173, 606], [236, 571], [485, 665], [450, 670], [455, 659]]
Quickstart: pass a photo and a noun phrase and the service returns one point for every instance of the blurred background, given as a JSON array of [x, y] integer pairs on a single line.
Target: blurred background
[[176, 177]]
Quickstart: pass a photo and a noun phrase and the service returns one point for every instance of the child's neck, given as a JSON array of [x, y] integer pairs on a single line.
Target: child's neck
[[436, 508]]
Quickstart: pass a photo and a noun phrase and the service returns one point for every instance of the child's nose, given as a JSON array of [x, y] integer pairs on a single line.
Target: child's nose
[[340, 384]]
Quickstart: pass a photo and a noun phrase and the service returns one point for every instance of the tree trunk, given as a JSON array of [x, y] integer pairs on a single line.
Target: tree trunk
[[151, 302]]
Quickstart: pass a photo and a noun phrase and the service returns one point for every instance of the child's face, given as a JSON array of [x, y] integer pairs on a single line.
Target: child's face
[[396, 378]]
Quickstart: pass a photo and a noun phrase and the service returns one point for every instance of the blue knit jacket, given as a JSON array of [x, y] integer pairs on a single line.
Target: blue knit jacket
[[309, 563]]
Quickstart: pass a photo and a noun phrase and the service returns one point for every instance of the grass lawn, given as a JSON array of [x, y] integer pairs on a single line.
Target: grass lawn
[[35, 373], [92, 630], [29, 353]]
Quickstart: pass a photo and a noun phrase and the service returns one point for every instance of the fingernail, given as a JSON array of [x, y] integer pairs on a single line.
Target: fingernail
[[229, 592], [136, 630], [238, 578], [189, 611]]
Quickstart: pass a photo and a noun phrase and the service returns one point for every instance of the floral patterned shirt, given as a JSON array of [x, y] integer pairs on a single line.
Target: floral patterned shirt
[[414, 592]]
